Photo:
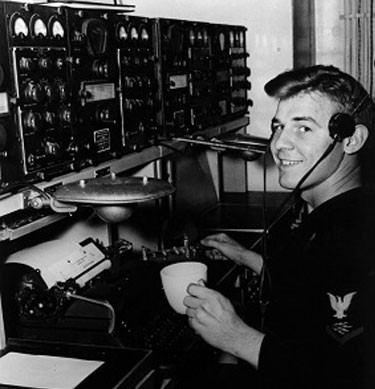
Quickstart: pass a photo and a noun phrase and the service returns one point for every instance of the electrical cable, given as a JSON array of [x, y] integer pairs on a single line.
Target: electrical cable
[[105, 304], [280, 212]]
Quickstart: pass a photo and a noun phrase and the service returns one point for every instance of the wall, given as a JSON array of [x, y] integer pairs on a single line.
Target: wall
[[269, 41], [270, 45], [330, 33], [272, 51]]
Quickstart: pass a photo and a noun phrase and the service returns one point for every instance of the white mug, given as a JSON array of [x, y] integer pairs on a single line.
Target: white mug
[[176, 278]]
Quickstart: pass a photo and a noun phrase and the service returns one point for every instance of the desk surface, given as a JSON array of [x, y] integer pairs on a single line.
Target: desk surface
[[122, 367]]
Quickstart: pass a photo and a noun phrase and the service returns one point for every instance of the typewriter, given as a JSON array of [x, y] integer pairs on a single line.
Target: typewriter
[[87, 293]]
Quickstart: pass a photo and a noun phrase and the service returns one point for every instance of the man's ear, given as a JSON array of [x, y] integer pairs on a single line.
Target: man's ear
[[352, 144]]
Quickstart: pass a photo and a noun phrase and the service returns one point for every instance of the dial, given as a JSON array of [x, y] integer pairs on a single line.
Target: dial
[[205, 37], [231, 38], [237, 39], [192, 37], [145, 36], [133, 33], [33, 92], [38, 27], [33, 121], [19, 26], [26, 64], [97, 36], [222, 41], [56, 28], [176, 38], [122, 35], [199, 37]]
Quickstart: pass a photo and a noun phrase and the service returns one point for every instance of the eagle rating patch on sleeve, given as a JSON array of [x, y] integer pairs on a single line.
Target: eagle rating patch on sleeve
[[343, 325]]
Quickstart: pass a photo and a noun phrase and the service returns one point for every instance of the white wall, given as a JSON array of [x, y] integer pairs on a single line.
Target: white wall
[[270, 44], [330, 33]]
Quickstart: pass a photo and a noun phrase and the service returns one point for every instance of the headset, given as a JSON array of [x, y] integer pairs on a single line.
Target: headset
[[341, 125]]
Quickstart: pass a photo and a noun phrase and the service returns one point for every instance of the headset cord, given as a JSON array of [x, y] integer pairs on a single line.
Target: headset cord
[[281, 211]]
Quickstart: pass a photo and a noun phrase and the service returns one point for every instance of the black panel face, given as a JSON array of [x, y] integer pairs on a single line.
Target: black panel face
[[38, 136], [173, 76], [138, 83], [82, 86], [203, 74], [94, 76], [43, 94], [231, 71], [201, 86]]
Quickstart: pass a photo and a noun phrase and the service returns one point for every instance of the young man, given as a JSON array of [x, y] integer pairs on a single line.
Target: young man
[[319, 320]]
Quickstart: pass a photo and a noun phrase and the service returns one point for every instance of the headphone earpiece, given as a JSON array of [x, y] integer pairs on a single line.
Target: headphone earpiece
[[341, 125]]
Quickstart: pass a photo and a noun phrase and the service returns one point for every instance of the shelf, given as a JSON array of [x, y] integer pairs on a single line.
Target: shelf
[[13, 202]]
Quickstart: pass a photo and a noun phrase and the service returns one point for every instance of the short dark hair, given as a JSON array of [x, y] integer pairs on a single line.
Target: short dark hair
[[340, 87]]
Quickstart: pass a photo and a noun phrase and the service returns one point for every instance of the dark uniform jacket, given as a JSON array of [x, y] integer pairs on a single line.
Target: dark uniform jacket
[[320, 318]]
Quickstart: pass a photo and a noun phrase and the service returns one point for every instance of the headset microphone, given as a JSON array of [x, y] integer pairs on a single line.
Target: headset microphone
[[341, 125]]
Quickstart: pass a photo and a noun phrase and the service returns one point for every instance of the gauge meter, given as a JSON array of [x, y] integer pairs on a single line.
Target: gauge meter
[[56, 28], [133, 33], [122, 35], [231, 38], [97, 36], [176, 38], [222, 41], [144, 34], [199, 37], [18, 26], [38, 27], [205, 37], [192, 37], [237, 39]]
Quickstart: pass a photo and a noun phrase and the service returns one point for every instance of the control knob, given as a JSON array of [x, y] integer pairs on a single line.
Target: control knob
[[240, 71], [129, 82], [26, 64], [102, 68], [33, 92], [33, 121], [65, 115], [59, 63], [50, 118], [52, 149], [104, 115], [78, 37], [61, 90], [45, 63], [50, 91]]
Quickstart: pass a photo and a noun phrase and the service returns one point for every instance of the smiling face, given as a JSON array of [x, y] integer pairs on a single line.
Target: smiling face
[[300, 137]]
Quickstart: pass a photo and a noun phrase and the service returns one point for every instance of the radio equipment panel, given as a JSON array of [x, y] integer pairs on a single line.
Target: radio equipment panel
[[240, 72], [35, 124], [201, 82], [173, 74], [94, 76], [81, 86], [138, 83], [202, 74], [230, 71]]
